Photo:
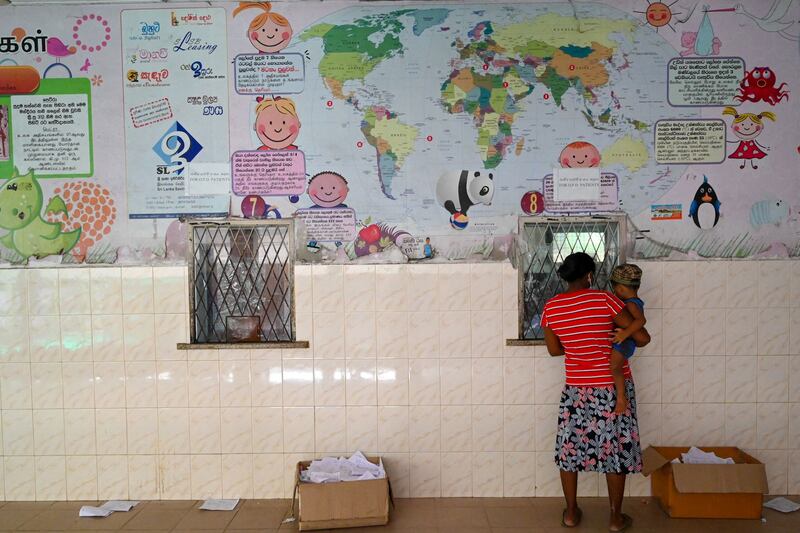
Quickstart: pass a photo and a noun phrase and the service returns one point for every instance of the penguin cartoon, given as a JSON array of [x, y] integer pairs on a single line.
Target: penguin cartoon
[[705, 199], [457, 193]]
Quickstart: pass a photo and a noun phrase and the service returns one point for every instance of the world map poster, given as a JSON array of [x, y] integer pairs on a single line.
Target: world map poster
[[406, 131]]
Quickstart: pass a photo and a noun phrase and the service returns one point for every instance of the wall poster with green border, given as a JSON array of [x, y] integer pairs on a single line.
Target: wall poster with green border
[[50, 130]]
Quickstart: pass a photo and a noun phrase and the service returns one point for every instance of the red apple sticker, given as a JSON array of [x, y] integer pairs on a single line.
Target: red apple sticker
[[370, 234]]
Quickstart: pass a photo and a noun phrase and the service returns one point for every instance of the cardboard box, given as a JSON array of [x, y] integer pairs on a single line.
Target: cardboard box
[[343, 504], [706, 491]]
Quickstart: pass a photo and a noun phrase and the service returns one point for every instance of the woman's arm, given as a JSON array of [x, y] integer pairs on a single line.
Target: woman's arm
[[553, 344]]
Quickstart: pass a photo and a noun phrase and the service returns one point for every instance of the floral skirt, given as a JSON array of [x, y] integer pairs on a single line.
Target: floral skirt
[[591, 438]]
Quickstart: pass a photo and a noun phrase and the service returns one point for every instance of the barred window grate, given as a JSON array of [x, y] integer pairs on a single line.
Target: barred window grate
[[241, 281], [546, 242]]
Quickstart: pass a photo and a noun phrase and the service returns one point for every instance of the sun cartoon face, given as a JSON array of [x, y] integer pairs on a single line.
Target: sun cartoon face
[[659, 14]]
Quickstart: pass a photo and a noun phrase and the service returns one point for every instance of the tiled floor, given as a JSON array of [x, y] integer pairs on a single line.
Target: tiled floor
[[410, 516]]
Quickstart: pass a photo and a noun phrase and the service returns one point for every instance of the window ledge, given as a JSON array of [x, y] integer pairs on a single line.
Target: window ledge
[[525, 342], [277, 345]]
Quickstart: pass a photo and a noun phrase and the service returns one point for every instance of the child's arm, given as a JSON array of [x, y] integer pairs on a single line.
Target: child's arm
[[638, 323], [624, 319]]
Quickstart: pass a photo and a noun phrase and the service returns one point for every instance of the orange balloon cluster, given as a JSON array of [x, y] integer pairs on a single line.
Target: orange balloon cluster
[[90, 207]]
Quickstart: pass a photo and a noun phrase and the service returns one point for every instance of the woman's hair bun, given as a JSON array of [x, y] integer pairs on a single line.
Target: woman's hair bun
[[576, 266]]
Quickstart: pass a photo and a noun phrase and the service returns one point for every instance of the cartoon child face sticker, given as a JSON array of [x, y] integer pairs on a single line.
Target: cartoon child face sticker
[[277, 124], [271, 37], [579, 154], [328, 189], [747, 129], [748, 126], [269, 32]]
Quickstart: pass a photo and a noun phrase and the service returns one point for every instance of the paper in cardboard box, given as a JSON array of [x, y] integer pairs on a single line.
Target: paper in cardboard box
[[706, 490], [342, 504]]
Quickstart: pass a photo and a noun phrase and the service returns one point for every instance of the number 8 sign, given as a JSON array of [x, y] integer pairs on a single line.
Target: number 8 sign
[[532, 202]]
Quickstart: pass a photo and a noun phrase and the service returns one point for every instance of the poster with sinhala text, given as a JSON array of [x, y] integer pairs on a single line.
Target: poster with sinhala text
[[401, 131]]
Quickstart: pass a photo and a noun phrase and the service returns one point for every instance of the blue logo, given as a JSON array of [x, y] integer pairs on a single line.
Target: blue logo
[[150, 28], [177, 147]]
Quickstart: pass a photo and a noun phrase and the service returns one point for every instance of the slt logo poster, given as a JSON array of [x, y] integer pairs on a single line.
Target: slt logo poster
[[174, 70]]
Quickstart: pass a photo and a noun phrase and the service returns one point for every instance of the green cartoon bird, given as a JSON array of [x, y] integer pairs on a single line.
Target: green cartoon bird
[[20, 213]]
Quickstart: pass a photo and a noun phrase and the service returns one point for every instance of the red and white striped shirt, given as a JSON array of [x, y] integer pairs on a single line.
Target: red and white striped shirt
[[584, 321]]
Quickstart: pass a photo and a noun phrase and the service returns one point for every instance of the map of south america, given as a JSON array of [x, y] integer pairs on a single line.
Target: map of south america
[[351, 52]]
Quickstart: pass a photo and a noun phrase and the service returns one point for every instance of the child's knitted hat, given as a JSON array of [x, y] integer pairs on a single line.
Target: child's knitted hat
[[630, 275]]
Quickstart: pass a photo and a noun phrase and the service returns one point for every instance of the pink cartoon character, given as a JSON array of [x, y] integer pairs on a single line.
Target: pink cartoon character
[[747, 127], [269, 32], [689, 44], [277, 124], [328, 189], [579, 154]]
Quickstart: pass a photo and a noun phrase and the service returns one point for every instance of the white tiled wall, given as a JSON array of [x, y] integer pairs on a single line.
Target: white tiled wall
[[406, 361]]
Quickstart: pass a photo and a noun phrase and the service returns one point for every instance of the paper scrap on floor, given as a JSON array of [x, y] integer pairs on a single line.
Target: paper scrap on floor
[[89, 510], [119, 505], [782, 504], [332, 470], [220, 505], [696, 456], [111, 506]]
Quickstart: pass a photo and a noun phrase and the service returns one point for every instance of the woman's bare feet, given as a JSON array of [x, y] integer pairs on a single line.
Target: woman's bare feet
[[571, 517], [620, 523]]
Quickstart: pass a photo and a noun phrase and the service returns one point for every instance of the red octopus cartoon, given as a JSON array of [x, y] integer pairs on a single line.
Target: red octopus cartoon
[[758, 85]]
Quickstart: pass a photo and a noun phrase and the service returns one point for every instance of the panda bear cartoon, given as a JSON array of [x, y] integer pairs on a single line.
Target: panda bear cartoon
[[458, 192]]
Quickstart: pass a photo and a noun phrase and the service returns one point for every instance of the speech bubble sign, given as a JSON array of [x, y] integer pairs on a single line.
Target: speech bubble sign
[[704, 81], [268, 172], [696, 141], [337, 224], [259, 74]]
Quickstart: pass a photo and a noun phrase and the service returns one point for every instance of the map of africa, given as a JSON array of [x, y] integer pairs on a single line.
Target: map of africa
[[414, 93]]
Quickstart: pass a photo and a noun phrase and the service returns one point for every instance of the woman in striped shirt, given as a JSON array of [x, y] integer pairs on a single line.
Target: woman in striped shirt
[[579, 324]]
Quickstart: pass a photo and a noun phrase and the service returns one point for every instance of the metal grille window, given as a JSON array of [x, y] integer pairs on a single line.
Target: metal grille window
[[241, 281], [545, 244]]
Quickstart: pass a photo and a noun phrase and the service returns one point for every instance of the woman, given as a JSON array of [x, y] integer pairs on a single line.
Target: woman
[[579, 324]]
